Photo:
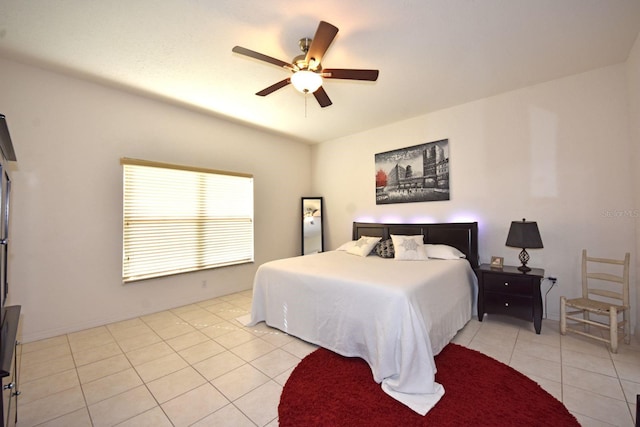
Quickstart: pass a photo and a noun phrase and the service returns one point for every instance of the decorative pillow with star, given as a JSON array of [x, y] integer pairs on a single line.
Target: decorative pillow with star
[[409, 248], [363, 246]]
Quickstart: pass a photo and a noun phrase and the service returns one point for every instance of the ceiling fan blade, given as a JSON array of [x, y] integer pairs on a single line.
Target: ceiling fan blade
[[256, 55], [350, 74], [274, 87], [320, 43], [322, 97]]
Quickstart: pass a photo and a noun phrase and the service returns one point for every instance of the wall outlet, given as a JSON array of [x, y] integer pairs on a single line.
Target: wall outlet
[[204, 283]]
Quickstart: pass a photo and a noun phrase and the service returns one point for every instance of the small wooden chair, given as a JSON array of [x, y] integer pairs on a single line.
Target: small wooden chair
[[612, 292]]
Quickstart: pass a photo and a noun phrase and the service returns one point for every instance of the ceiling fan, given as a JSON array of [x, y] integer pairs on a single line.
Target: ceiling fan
[[307, 70]]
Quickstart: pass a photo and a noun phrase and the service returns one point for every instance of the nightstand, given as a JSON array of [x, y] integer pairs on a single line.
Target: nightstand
[[510, 291]]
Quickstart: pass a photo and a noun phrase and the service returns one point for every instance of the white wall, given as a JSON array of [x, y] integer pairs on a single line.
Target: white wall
[[557, 153], [66, 230], [633, 75]]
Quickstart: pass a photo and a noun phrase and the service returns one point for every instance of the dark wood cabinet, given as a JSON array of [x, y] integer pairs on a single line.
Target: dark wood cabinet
[[510, 291], [9, 315], [9, 365]]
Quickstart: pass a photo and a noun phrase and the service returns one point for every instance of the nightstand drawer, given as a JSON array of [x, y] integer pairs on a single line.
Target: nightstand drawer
[[508, 284], [513, 305]]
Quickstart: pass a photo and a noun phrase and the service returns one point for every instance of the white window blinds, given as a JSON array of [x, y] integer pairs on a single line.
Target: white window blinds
[[178, 219]]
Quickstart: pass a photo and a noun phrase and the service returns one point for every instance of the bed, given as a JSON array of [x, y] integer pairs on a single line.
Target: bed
[[396, 315]]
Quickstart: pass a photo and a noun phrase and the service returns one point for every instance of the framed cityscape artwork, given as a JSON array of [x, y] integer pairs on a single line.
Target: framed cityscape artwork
[[414, 174]]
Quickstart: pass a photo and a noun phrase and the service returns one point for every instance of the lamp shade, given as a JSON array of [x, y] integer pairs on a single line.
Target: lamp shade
[[524, 234]]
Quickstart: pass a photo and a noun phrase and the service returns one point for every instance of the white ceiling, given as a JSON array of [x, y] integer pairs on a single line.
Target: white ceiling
[[431, 54]]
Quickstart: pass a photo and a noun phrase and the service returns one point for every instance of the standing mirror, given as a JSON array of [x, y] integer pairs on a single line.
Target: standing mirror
[[312, 228]]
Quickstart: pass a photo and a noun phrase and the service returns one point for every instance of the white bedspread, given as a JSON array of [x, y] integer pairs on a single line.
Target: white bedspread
[[396, 315]]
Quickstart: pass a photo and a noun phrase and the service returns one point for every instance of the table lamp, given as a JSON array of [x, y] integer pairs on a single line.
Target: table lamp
[[524, 234]]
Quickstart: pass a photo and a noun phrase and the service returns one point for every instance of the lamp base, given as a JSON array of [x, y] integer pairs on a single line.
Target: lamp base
[[524, 259]]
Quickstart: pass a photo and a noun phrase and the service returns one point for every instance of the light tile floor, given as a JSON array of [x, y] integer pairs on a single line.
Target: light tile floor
[[198, 366]]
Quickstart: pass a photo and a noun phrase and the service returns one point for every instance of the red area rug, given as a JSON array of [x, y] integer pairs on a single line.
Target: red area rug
[[326, 389]]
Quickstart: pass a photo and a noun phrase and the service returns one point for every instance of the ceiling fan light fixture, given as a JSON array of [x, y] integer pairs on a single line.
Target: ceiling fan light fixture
[[306, 81]]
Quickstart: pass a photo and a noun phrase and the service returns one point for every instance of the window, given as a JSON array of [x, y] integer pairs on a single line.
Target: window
[[178, 219]]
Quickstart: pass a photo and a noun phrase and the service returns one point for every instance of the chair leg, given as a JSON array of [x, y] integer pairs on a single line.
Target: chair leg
[[585, 316], [626, 326], [563, 316], [613, 329]]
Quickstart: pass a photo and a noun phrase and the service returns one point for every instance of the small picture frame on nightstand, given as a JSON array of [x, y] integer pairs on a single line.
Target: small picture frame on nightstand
[[497, 262]]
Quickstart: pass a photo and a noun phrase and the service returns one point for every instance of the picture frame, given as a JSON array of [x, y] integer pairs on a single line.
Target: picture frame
[[413, 174], [497, 262]]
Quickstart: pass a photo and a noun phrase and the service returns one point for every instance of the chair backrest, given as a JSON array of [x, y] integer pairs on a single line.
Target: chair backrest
[[617, 286]]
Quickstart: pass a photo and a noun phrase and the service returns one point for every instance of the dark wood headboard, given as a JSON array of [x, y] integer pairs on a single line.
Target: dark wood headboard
[[461, 235]]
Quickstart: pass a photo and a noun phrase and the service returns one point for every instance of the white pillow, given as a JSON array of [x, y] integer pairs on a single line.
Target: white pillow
[[443, 252], [363, 246], [346, 246], [409, 248]]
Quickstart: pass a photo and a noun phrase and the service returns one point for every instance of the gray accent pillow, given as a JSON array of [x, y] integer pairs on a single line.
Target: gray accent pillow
[[384, 249]]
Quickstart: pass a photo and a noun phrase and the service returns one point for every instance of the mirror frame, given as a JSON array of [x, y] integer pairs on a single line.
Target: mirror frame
[[316, 200]]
